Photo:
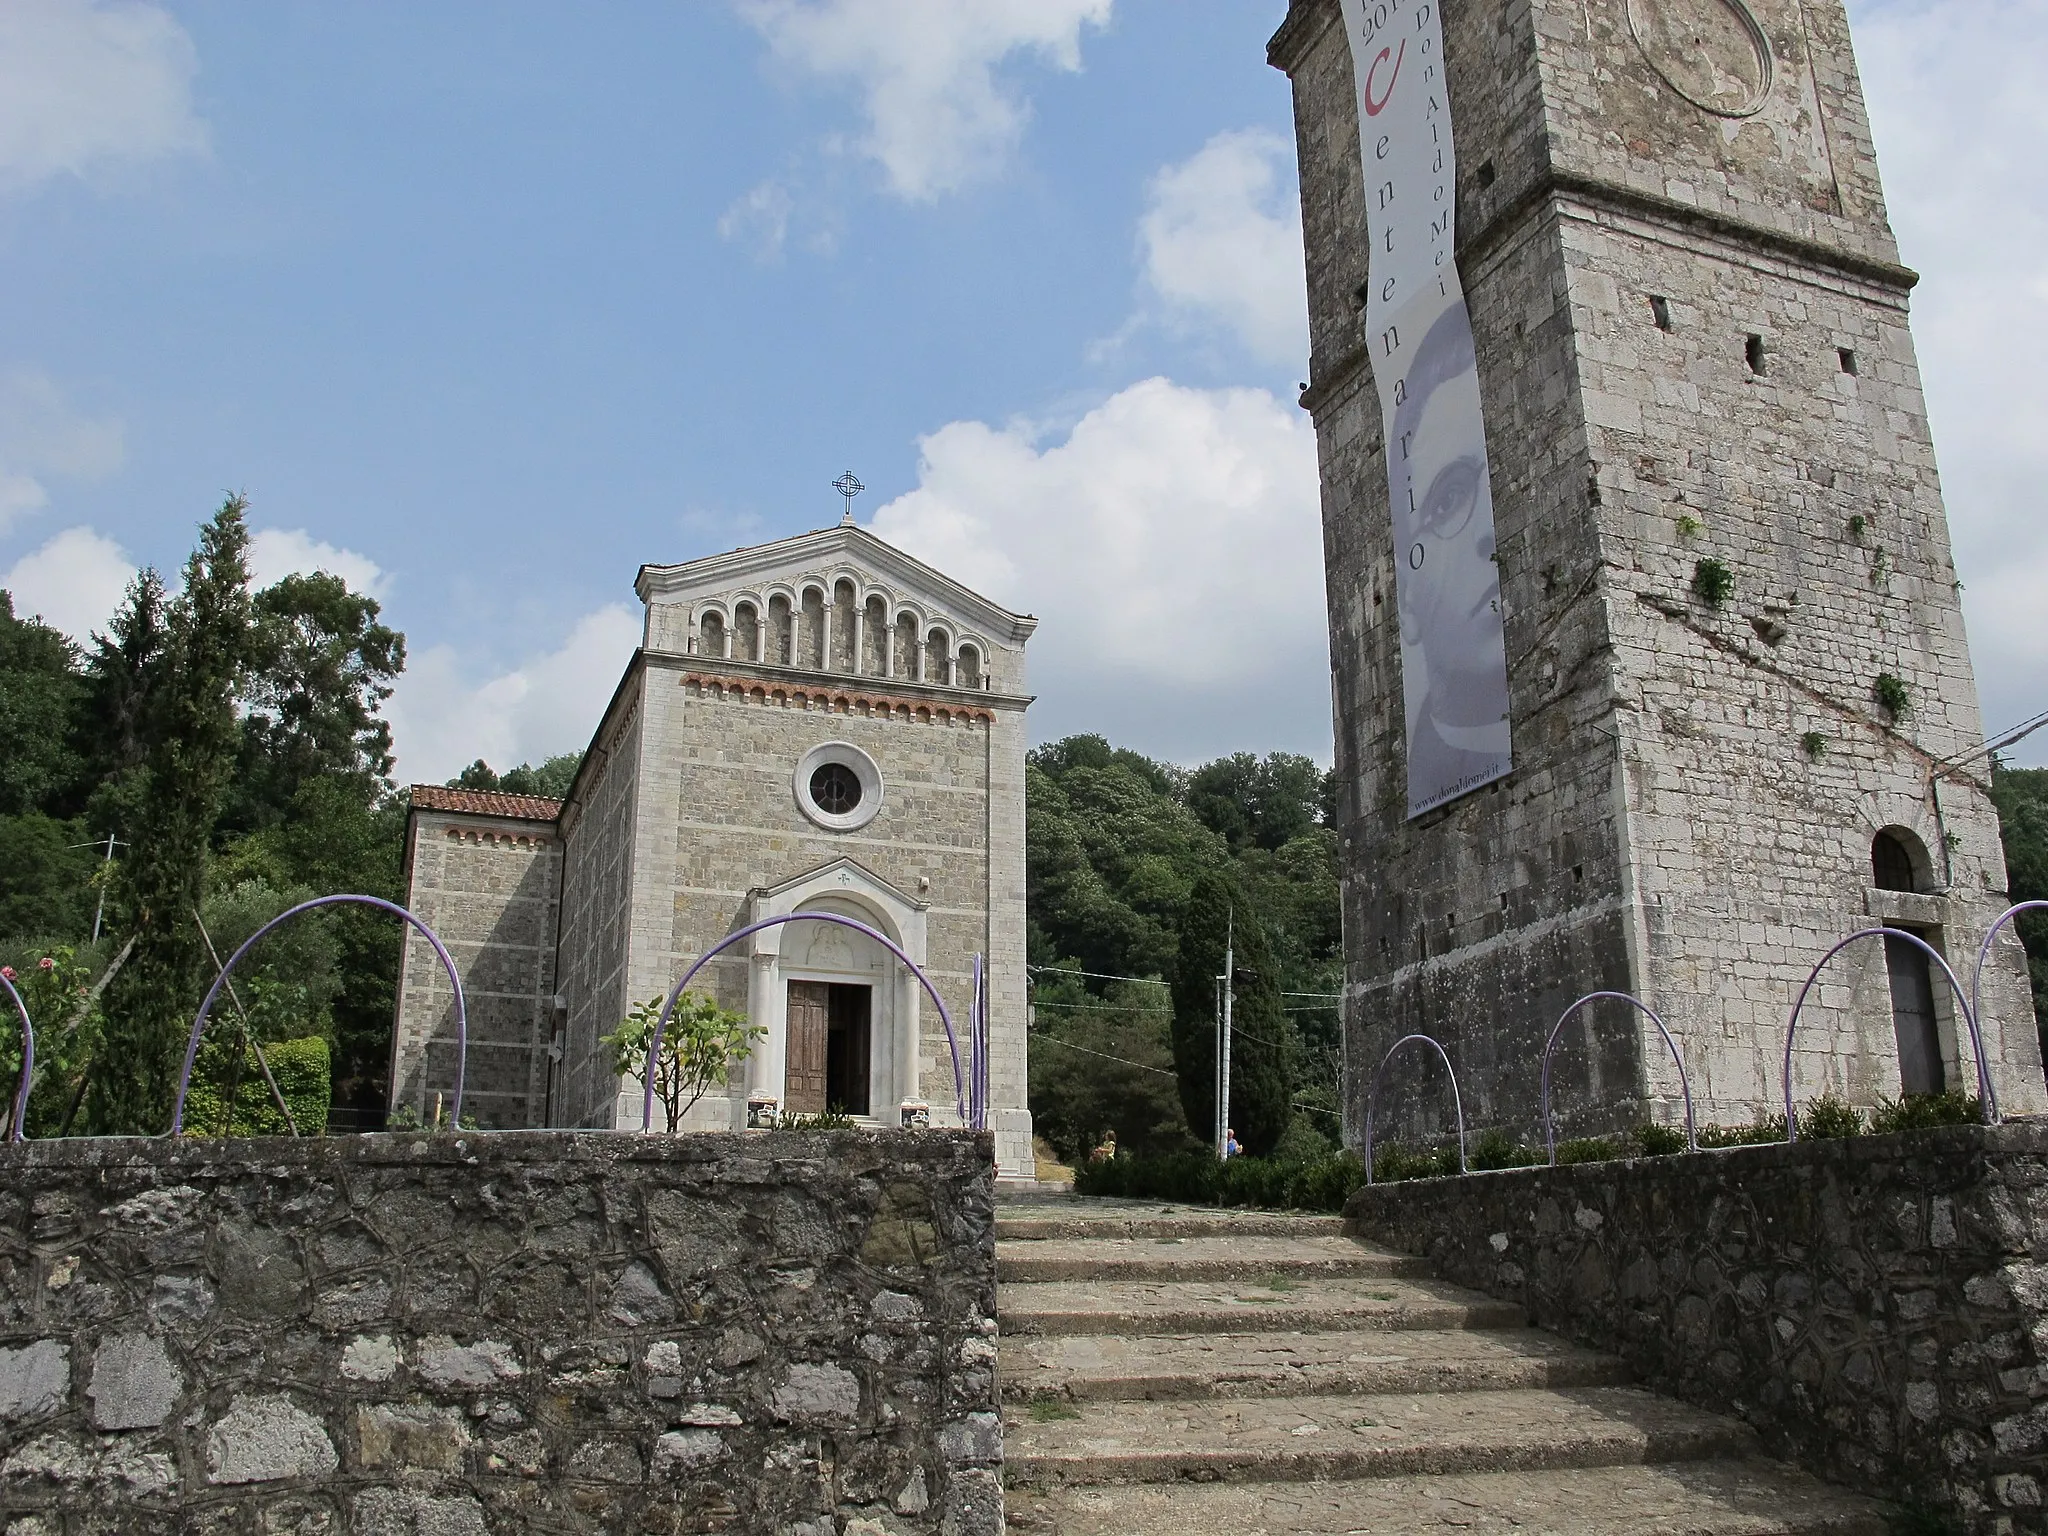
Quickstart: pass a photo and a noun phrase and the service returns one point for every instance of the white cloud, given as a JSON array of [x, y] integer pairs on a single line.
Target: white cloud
[[84, 83], [759, 220], [74, 582], [43, 434], [1959, 118], [937, 115], [275, 553], [443, 718], [1172, 548], [1221, 240]]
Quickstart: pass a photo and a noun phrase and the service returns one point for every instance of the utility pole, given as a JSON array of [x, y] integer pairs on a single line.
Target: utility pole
[[101, 910], [1223, 1078]]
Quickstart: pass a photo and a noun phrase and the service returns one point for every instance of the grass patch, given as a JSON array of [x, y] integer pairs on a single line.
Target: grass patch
[[1052, 1410]]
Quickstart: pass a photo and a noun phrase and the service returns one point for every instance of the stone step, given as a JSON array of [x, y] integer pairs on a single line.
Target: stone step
[[1277, 1304], [1296, 1439], [1044, 1220], [1105, 1368], [1700, 1498], [1197, 1258]]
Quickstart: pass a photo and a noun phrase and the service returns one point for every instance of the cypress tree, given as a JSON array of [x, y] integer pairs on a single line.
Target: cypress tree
[[1261, 1065], [191, 734]]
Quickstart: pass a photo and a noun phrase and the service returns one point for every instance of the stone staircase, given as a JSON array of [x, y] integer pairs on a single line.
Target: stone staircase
[[1171, 1369]]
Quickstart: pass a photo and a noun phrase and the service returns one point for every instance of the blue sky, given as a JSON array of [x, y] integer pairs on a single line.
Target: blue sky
[[486, 305]]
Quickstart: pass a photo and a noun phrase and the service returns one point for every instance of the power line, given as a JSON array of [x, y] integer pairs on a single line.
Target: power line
[[1061, 970], [1123, 1060], [1103, 1007]]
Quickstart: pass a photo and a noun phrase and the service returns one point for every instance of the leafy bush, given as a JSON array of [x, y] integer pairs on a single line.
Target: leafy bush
[[1829, 1118], [830, 1120], [1393, 1163], [1197, 1178], [1658, 1140], [701, 1046], [1494, 1148], [1589, 1149], [1891, 695], [1713, 581], [1925, 1111], [304, 1073], [1757, 1133]]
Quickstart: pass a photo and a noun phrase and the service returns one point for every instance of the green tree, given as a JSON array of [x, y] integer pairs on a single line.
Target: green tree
[[1103, 1063], [321, 663], [193, 736], [2021, 795], [551, 779], [699, 1048], [39, 694], [1255, 802], [1219, 915]]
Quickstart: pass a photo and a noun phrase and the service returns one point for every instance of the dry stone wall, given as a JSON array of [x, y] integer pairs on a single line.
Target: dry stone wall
[[1877, 1308], [453, 1336]]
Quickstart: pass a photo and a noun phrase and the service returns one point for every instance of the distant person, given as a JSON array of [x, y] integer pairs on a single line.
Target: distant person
[[1230, 1146], [1105, 1150]]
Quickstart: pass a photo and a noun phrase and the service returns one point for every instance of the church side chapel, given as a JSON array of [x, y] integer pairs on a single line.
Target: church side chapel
[[821, 724]]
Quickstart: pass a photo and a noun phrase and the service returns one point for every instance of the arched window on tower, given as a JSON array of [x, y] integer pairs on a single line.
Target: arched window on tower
[[711, 634], [844, 605], [781, 633], [1892, 865], [1895, 864], [967, 671], [746, 633], [874, 638], [938, 665], [811, 649], [906, 647]]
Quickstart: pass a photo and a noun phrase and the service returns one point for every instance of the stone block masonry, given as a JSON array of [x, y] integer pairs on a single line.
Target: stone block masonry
[[1876, 1308], [396, 1336]]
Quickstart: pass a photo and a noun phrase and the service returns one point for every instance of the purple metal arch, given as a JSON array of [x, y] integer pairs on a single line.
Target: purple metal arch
[[675, 992], [1984, 950], [212, 992], [1684, 1080], [28, 1061], [1990, 1099], [977, 1051], [1373, 1100]]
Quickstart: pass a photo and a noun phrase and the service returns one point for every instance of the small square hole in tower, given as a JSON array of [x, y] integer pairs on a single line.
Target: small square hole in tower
[[1753, 350], [1486, 174], [1847, 358], [1660, 311]]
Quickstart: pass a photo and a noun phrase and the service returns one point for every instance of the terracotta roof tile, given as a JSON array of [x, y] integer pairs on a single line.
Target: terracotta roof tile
[[485, 802]]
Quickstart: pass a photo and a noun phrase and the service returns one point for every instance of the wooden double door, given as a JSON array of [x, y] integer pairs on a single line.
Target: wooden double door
[[825, 1063]]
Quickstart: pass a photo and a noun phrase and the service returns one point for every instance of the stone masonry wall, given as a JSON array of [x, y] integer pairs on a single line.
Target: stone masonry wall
[[1667, 830], [444, 1336], [737, 827], [1877, 1308], [597, 909], [489, 887]]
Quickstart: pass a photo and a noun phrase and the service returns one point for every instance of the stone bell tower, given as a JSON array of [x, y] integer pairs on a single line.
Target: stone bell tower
[[1735, 658]]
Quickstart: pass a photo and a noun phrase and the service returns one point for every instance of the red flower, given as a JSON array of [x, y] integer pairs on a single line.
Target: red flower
[[7, 971], [46, 964]]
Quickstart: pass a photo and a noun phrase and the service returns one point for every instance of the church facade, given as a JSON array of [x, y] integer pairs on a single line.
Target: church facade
[[822, 724]]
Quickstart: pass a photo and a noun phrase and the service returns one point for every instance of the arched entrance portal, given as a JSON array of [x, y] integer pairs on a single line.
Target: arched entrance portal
[[840, 1017]]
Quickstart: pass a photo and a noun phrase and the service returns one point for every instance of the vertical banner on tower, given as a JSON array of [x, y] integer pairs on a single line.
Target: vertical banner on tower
[[1454, 670]]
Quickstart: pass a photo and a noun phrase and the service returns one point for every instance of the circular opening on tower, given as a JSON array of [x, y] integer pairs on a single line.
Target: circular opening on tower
[[838, 786], [836, 789]]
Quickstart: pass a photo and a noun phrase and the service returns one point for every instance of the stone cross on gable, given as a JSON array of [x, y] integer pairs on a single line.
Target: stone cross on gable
[[847, 486]]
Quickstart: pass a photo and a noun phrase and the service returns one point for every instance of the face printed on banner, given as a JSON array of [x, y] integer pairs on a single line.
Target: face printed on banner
[[1450, 587], [1453, 660]]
